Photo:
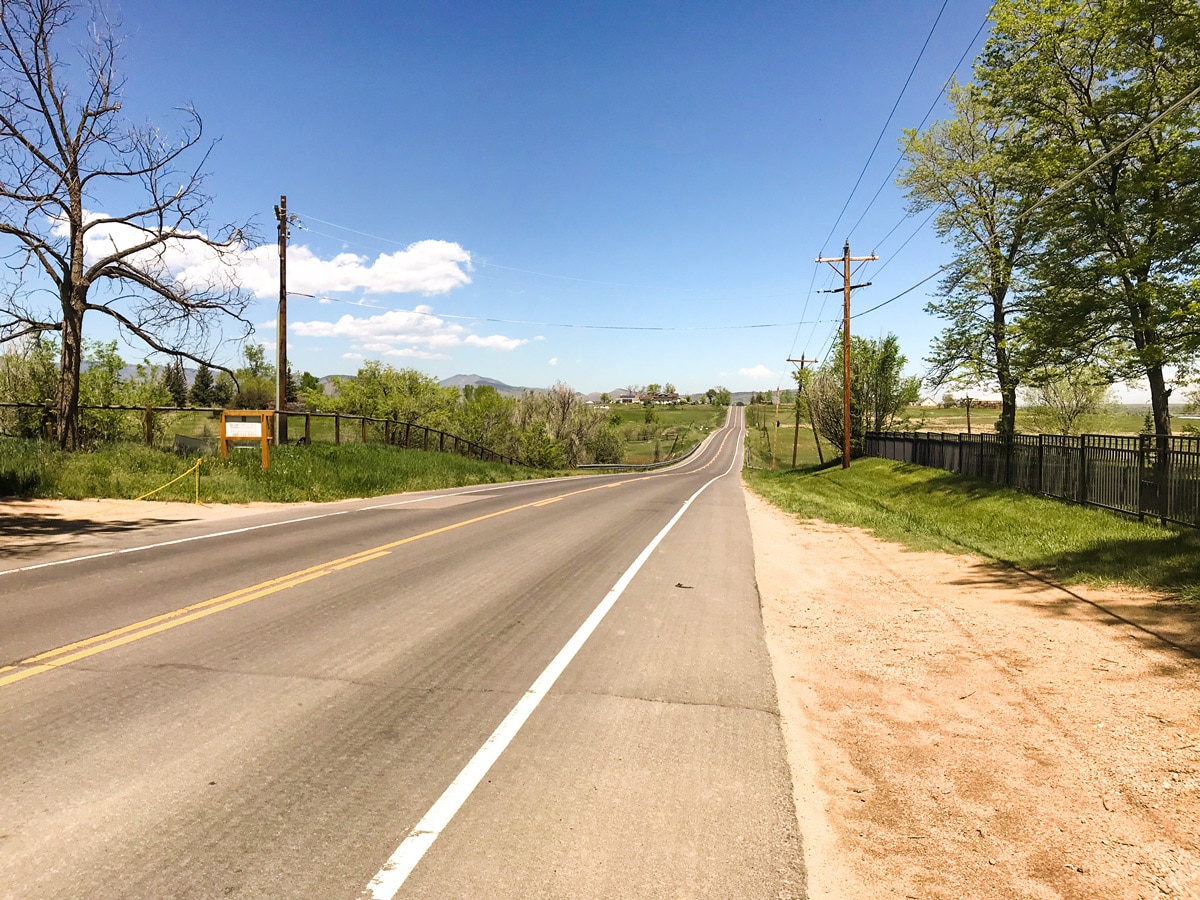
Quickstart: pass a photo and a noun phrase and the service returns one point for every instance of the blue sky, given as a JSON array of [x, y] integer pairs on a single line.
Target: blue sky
[[664, 165]]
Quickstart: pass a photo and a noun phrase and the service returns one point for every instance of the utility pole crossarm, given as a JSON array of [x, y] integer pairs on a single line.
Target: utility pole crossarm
[[799, 390], [845, 259]]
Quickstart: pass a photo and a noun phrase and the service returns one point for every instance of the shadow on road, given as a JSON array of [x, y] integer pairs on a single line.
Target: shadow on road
[[25, 534]]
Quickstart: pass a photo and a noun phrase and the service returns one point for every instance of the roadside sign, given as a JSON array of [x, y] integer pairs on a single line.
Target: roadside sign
[[247, 425]]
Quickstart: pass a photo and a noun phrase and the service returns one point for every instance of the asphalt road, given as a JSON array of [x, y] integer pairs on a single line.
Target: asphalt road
[[275, 712]]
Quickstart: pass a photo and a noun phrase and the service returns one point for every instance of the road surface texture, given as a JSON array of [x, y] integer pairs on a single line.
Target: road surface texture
[[505, 691]]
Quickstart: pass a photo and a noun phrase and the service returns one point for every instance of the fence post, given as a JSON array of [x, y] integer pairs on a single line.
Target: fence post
[[337, 429], [1041, 458], [363, 422], [407, 429], [441, 441], [425, 438], [1083, 458], [149, 426], [387, 431], [1141, 465], [308, 429]]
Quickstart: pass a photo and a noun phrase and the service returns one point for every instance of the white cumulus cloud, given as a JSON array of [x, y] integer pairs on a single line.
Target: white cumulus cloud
[[757, 373], [554, 362], [425, 267], [416, 333]]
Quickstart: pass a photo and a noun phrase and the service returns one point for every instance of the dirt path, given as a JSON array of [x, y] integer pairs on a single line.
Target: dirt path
[[961, 730]]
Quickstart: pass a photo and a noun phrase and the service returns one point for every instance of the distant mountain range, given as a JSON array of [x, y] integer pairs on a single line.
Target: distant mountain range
[[461, 381]]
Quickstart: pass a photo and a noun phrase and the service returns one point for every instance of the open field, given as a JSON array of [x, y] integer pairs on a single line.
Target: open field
[[1114, 419], [676, 429], [319, 472]]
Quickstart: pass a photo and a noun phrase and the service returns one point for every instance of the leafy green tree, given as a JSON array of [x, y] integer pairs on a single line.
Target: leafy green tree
[[605, 444], [202, 387], [1058, 399], [224, 391], [983, 195], [1105, 97], [404, 395], [255, 388], [29, 374], [103, 384], [879, 391], [487, 417], [174, 382]]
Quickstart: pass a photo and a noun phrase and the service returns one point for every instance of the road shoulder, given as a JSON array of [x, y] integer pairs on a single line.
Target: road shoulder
[[958, 729]]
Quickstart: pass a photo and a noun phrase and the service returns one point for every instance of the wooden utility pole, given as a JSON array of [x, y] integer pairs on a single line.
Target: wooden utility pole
[[775, 434], [281, 434], [800, 389], [845, 259]]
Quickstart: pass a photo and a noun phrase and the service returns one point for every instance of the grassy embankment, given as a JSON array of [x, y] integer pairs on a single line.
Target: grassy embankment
[[929, 509], [676, 429], [318, 472]]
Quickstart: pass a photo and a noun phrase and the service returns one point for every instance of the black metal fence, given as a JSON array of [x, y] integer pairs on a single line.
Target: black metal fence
[[1142, 475], [160, 425]]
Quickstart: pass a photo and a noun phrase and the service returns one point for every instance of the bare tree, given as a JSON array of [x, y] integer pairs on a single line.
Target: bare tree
[[59, 151]]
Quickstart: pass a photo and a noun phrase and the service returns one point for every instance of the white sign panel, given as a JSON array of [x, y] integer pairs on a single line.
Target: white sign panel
[[243, 429]]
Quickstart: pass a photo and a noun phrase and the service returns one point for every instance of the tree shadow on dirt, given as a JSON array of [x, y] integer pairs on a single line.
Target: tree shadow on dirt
[[1170, 624]]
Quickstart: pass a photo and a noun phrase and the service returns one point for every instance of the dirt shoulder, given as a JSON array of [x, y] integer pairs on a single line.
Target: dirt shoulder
[[957, 729]]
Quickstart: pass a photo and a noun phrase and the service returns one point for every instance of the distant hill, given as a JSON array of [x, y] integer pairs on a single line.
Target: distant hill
[[461, 381]]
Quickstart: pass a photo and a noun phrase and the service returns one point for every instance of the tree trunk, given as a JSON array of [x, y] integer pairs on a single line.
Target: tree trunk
[[1007, 425], [70, 364], [1160, 395]]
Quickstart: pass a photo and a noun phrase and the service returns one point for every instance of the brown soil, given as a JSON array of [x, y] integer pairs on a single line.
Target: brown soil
[[957, 729]]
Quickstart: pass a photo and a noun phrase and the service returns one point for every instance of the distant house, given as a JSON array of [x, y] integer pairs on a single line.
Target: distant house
[[627, 398], [928, 403]]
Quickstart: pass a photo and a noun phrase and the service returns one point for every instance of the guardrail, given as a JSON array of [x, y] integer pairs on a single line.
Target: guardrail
[[1140, 475], [634, 467], [151, 423]]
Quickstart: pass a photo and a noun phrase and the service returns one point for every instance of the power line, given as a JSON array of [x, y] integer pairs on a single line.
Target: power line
[[883, 130], [925, 118], [492, 265], [1057, 189], [580, 325]]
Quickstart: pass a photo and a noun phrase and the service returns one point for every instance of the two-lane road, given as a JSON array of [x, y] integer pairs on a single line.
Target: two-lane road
[[546, 689]]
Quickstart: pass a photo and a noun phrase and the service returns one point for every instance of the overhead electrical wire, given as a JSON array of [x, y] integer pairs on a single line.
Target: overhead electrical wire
[[582, 325], [1057, 189], [925, 118], [888, 122]]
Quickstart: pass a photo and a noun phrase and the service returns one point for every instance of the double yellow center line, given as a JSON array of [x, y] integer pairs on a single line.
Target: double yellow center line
[[119, 637]]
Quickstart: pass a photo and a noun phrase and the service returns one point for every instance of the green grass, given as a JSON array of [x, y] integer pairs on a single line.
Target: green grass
[[770, 447], [678, 427], [929, 509], [319, 472]]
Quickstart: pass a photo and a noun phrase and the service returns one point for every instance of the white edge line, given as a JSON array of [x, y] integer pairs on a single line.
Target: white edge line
[[217, 534], [470, 489], [400, 864]]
